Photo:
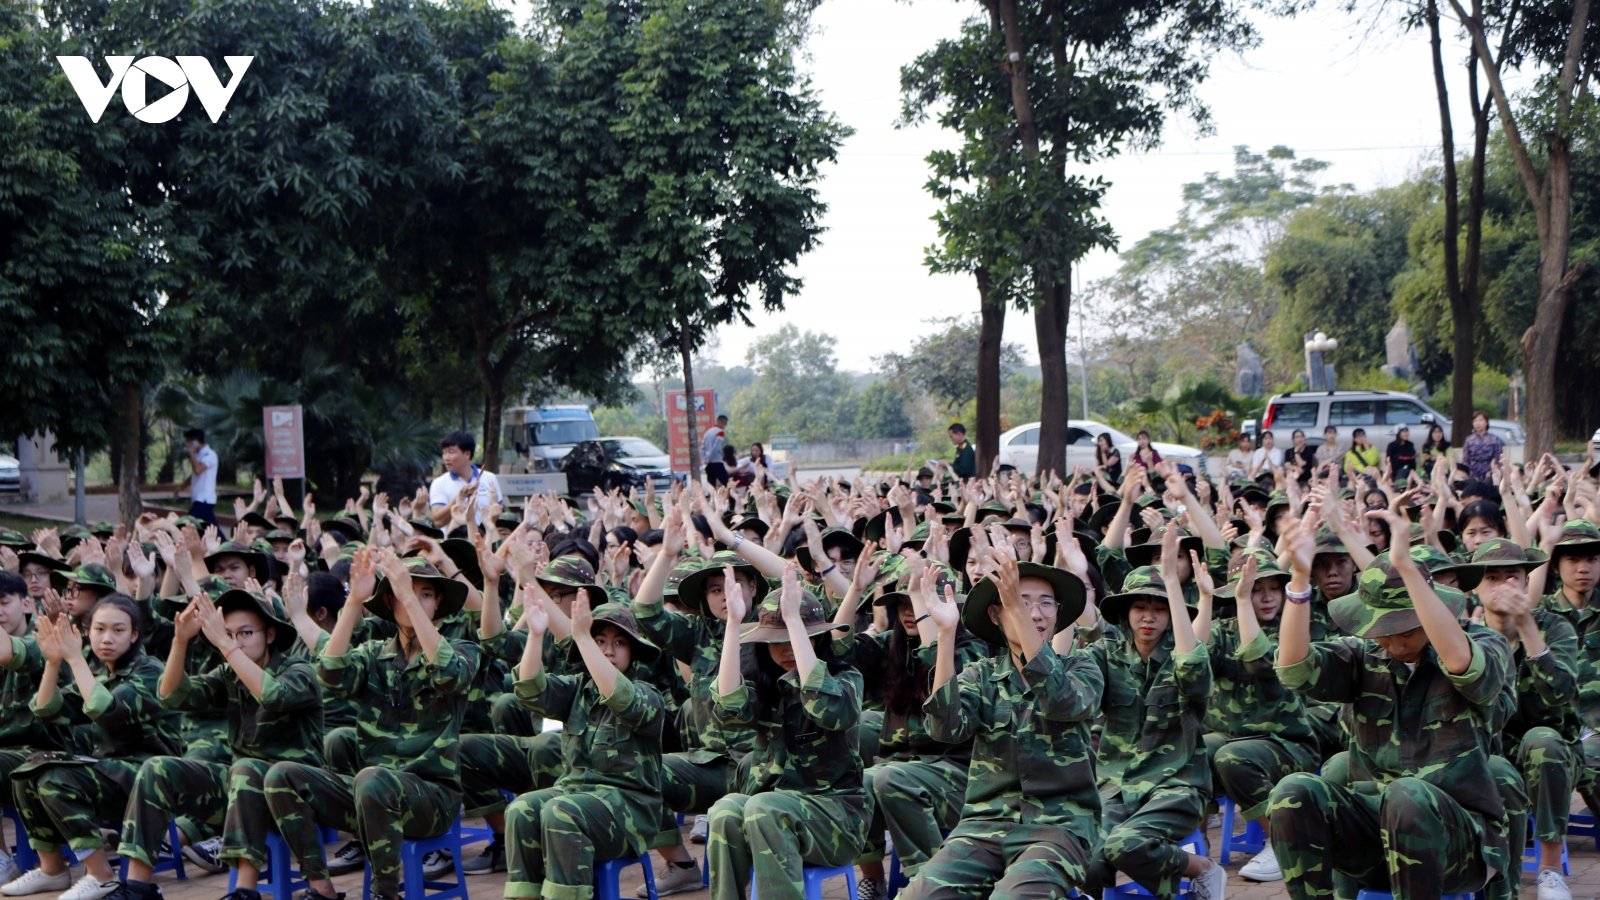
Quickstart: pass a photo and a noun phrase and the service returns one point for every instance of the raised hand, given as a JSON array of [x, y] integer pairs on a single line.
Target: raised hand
[[186, 625], [733, 592], [1202, 574], [582, 615], [143, 566], [534, 611], [944, 612]]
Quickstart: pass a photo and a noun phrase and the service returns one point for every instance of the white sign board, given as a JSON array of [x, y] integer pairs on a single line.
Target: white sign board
[[529, 484]]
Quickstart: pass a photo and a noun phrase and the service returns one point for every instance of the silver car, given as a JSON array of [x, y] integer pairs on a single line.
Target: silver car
[[1019, 447], [10, 474], [1380, 413]]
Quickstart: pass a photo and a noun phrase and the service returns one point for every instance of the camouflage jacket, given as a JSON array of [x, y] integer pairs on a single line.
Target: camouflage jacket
[[810, 741], [1425, 723], [556, 658], [337, 712], [1153, 708], [19, 684], [696, 641], [284, 725], [1248, 699], [121, 717], [1114, 567], [408, 714], [905, 735], [1547, 687], [1031, 754], [1586, 622], [606, 743]]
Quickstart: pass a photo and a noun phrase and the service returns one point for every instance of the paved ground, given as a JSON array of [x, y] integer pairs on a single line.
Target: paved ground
[[1585, 880]]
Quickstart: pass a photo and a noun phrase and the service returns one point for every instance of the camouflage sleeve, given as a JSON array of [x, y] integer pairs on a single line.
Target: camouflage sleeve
[[1068, 688], [672, 632], [1217, 562], [507, 646], [343, 675], [868, 653], [1555, 674], [55, 711], [1486, 673], [1192, 672], [737, 708], [128, 705], [637, 705], [293, 687], [1329, 671], [1113, 566], [451, 670], [953, 711], [198, 693], [833, 701], [1257, 655], [546, 695], [25, 657], [1095, 632]]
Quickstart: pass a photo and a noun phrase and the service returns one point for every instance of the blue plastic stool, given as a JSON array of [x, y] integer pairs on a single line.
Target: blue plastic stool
[[1252, 841], [1583, 825], [173, 863], [280, 871], [814, 876], [1195, 843], [608, 877], [472, 835], [22, 852], [413, 884], [1384, 895], [1530, 856]]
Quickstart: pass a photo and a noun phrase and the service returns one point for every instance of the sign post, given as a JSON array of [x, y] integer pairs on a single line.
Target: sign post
[[705, 416], [285, 442]]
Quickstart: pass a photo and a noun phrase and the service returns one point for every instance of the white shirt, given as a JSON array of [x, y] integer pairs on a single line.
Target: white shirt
[[1273, 453], [445, 488], [203, 485], [711, 445]]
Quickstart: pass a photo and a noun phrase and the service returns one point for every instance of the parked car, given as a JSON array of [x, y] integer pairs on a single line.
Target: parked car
[[1019, 447], [1380, 413], [10, 474], [615, 462], [536, 439]]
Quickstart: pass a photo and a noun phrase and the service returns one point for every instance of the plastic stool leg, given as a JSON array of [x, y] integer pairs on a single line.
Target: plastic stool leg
[[1226, 855]]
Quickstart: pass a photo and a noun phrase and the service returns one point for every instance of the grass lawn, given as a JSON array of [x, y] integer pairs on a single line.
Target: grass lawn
[[25, 524]]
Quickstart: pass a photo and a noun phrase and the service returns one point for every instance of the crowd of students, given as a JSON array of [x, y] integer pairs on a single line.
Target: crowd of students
[[1023, 686]]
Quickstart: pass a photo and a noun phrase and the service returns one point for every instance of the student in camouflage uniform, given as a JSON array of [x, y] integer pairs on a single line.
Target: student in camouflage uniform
[[608, 801], [1422, 815], [20, 733], [81, 588], [1153, 778], [1029, 818], [411, 695], [803, 802], [1260, 730], [273, 705], [1574, 571], [63, 798], [1542, 733]]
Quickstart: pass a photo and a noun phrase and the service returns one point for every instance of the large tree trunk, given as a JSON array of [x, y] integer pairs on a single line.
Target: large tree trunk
[[1050, 324], [494, 404], [686, 351], [129, 504], [1472, 258], [991, 332], [1463, 314]]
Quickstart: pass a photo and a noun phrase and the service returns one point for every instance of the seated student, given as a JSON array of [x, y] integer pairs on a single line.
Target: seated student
[[1153, 778], [35, 567], [20, 733], [80, 590], [1260, 731], [1574, 571], [410, 693], [1027, 827], [273, 705], [607, 803], [803, 802], [63, 797], [1543, 733], [1430, 819]]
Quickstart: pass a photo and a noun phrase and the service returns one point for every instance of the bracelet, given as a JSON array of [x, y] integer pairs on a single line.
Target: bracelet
[[1293, 597], [824, 572], [229, 650], [918, 620]]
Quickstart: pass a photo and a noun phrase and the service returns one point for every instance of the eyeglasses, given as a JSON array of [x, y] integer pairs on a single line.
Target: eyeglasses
[[244, 635], [1048, 607]]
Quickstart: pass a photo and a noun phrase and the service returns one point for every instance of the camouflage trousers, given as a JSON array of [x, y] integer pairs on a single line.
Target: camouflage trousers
[[10, 758], [1246, 769], [1589, 770], [690, 788], [168, 787], [871, 734], [1002, 859], [1407, 837], [205, 740], [918, 802], [1549, 767], [65, 803], [510, 717], [489, 764], [342, 751], [1145, 842], [379, 806], [554, 836], [544, 755], [776, 834]]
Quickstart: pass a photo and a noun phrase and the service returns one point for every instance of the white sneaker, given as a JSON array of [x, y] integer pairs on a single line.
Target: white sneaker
[[35, 881], [1264, 867], [1552, 886], [671, 879], [437, 863], [8, 867], [1212, 821], [91, 888], [1211, 884], [700, 831]]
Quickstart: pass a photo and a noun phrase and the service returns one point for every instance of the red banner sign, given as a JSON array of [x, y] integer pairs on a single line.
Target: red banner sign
[[705, 416], [285, 442]]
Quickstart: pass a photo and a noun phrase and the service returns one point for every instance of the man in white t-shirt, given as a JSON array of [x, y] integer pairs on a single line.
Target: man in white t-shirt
[[202, 476], [711, 444], [456, 452]]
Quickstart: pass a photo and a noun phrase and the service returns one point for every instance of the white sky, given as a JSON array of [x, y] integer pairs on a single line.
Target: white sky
[[1321, 84]]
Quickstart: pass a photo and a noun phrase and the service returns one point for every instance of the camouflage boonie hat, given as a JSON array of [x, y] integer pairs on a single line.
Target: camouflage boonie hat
[[1577, 536], [751, 523], [73, 535], [1417, 535], [769, 627], [572, 572], [279, 534], [85, 575], [619, 615], [1266, 567], [426, 527], [255, 559], [942, 575], [1506, 553], [102, 529], [284, 633], [1148, 553], [834, 536], [918, 536], [1329, 543], [464, 554], [1101, 517], [679, 572], [43, 559], [16, 540], [1437, 562], [453, 593], [692, 588], [1069, 591], [255, 520], [1144, 581], [169, 607], [347, 526], [1382, 606]]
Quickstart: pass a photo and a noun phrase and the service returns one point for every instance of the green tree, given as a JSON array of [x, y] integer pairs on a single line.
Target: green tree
[[798, 389], [939, 365], [881, 413]]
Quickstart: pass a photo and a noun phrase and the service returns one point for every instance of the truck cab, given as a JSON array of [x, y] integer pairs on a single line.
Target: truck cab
[[536, 438]]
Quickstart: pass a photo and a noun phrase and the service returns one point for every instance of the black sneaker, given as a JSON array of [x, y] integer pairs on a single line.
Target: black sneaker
[[491, 860], [311, 894], [351, 857], [242, 894]]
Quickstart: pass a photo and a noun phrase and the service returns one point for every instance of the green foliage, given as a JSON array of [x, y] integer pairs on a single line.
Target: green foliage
[[1176, 415], [881, 413], [798, 389], [629, 421], [940, 365]]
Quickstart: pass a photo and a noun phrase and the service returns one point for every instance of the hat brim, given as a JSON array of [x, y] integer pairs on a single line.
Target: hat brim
[[692, 589], [1470, 575], [49, 562], [1578, 548], [645, 653], [1231, 589], [453, 596], [1360, 620], [1148, 554], [1114, 609], [1070, 600], [465, 555], [256, 561], [756, 633]]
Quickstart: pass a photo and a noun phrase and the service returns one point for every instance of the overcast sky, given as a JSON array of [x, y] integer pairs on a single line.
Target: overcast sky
[[1326, 84]]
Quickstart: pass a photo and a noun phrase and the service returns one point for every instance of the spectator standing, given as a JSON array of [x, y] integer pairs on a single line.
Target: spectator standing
[[1480, 449], [459, 471], [1267, 456], [711, 444], [1107, 457], [1303, 456], [202, 476], [965, 464], [1402, 455], [1330, 453]]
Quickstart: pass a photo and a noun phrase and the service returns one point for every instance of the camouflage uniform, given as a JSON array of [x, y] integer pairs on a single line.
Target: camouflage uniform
[[284, 724], [803, 801], [20, 733], [1153, 778], [1585, 621], [1422, 814], [607, 803], [408, 729], [64, 798]]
